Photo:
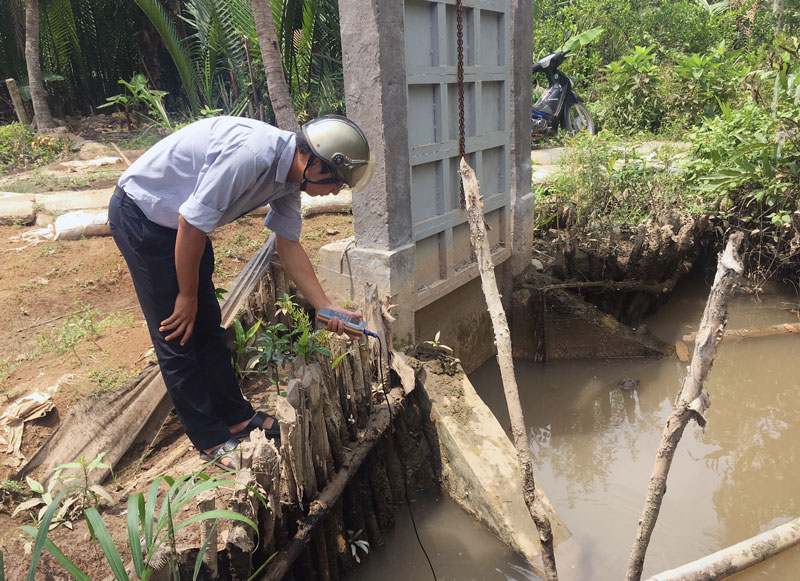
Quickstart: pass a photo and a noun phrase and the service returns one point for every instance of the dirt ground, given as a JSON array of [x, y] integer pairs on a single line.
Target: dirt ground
[[69, 315]]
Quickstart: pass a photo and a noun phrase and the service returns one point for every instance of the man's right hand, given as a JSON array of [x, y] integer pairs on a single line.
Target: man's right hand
[[181, 319]]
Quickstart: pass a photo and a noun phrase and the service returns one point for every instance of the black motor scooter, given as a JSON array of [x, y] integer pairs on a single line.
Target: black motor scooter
[[559, 106]]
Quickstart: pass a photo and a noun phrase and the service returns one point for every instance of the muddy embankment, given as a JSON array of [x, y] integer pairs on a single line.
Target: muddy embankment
[[584, 297]]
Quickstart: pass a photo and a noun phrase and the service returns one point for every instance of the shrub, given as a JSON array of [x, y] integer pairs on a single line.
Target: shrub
[[708, 80], [747, 160], [21, 147], [602, 183], [634, 100]]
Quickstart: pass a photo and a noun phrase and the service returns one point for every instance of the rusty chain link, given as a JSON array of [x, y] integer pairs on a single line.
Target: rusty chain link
[[460, 78]]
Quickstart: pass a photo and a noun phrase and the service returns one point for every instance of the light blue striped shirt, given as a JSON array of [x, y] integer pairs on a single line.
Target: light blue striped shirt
[[215, 170]]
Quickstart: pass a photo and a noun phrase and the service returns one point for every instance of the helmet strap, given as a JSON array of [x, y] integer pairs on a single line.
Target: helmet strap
[[309, 163]]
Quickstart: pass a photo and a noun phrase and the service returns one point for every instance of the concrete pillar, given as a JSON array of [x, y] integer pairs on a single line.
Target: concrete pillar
[[373, 54], [521, 195]]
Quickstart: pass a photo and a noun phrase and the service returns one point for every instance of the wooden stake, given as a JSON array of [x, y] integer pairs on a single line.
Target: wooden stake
[[322, 505], [19, 106], [483, 254], [206, 502], [692, 400]]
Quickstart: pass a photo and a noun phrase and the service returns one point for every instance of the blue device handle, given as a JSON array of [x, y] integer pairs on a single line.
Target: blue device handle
[[353, 326]]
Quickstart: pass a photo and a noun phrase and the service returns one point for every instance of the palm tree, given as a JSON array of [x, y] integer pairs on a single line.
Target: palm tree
[[279, 94], [38, 93]]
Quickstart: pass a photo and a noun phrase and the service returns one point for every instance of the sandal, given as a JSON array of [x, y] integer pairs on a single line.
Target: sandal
[[222, 452], [256, 422]]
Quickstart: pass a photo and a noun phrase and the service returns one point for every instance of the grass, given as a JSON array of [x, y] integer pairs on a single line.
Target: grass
[[240, 246], [48, 250], [78, 327], [11, 493], [40, 181], [7, 367], [142, 141], [116, 320]]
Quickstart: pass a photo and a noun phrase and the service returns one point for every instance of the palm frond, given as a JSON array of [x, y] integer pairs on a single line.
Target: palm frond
[[166, 29]]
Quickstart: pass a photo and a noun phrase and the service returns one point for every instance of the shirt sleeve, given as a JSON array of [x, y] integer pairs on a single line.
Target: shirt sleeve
[[284, 216], [225, 175]]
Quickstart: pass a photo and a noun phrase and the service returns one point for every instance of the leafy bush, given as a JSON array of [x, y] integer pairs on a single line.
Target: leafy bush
[[21, 147], [602, 183], [746, 162], [634, 100]]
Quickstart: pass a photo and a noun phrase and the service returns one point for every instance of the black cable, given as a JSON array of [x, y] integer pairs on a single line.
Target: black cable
[[400, 457]]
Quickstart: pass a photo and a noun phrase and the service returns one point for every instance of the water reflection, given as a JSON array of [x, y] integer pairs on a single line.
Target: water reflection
[[594, 444]]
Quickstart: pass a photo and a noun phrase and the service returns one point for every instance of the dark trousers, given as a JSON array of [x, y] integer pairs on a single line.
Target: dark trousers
[[198, 375]]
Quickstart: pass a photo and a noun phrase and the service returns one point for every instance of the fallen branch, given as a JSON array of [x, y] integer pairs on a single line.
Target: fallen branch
[[618, 285], [754, 332], [353, 458], [737, 557], [692, 400], [504, 358]]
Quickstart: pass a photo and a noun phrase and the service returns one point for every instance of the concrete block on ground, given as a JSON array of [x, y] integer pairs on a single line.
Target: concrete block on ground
[[480, 470], [16, 208], [68, 201]]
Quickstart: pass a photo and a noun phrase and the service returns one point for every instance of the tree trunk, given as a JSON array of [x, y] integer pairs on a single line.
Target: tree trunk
[[692, 400], [273, 65], [38, 93], [506, 362], [779, 8]]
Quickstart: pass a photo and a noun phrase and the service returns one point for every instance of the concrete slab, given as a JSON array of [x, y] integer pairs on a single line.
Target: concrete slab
[[479, 463], [60, 202], [16, 208]]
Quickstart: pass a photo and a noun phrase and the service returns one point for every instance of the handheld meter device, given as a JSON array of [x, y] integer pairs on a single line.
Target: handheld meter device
[[353, 326]]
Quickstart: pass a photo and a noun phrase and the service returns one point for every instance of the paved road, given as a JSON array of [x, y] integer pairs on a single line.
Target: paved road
[[545, 161]]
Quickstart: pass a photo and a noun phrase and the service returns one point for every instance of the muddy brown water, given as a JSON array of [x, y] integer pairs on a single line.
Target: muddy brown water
[[593, 448]]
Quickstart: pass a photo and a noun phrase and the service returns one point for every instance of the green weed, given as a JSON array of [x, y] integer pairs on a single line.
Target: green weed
[[77, 327], [40, 181], [151, 524], [108, 380], [115, 320]]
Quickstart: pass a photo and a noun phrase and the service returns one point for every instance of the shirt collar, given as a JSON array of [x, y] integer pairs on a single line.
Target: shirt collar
[[285, 161]]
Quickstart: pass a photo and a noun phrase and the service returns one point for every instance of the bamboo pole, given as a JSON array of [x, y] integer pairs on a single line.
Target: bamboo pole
[[692, 400], [504, 358], [737, 557]]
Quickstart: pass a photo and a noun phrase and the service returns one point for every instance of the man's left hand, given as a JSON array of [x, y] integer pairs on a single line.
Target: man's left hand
[[336, 324]]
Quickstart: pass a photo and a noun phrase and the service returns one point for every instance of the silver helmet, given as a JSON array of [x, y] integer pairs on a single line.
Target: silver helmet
[[341, 144]]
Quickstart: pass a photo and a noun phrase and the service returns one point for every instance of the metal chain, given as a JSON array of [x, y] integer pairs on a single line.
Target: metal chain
[[460, 78]]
